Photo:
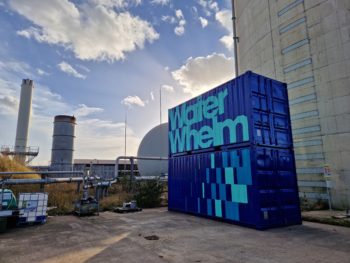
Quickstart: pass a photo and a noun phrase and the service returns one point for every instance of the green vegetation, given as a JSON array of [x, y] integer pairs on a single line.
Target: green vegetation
[[306, 205], [148, 193], [327, 220]]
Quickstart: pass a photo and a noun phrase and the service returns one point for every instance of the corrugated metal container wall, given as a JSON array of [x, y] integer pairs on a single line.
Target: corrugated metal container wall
[[253, 186], [232, 155], [250, 109]]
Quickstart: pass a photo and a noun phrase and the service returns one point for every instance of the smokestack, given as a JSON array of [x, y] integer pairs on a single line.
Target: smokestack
[[25, 106], [63, 143]]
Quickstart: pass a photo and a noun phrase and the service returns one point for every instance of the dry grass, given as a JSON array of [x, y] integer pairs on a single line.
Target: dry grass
[[116, 197], [10, 165], [62, 196]]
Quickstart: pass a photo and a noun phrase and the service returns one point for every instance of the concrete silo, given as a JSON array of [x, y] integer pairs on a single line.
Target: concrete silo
[[154, 144], [24, 111], [63, 143], [306, 43]]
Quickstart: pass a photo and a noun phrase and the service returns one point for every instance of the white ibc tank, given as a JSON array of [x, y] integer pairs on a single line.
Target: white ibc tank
[[154, 144]]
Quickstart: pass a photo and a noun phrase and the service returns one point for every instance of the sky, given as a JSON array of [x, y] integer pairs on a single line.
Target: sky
[[100, 60]]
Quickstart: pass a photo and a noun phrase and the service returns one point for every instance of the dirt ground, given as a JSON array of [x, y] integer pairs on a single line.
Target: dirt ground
[[156, 235]]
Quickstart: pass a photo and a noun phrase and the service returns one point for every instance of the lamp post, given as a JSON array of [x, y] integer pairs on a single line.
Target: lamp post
[[235, 38], [160, 104], [125, 125]]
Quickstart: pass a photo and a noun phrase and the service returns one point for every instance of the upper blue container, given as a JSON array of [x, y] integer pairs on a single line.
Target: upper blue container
[[248, 110]]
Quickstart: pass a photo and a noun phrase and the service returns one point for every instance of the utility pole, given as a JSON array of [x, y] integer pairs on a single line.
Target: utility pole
[[126, 118], [160, 104], [125, 131], [235, 38]]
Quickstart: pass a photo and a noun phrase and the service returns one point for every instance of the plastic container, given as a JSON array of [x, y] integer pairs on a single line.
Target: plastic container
[[249, 110], [33, 208], [8, 200], [254, 186]]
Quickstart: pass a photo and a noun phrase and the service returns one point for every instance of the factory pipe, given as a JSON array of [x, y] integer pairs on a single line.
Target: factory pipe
[[8, 181], [43, 181], [42, 172]]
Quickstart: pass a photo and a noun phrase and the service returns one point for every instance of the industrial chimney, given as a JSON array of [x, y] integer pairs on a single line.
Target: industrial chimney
[[63, 143], [25, 106]]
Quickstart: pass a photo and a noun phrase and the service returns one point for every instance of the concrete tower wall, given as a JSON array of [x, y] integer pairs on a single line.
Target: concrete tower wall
[[306, 43], [24, 111], [63, 143]]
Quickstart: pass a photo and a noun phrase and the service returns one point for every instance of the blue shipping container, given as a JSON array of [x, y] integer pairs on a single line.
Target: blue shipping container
[[250, 109], [231, 154], [253, 185]]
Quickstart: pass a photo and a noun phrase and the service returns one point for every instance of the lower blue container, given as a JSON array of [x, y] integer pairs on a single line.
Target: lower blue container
[[253, 186]]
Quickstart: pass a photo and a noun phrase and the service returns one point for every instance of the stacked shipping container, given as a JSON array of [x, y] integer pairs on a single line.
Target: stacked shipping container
[[231, 154]]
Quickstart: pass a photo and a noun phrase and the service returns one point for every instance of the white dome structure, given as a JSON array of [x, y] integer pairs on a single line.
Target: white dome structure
[[154, 144]]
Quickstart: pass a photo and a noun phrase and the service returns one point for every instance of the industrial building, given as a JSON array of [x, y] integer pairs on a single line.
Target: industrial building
[[306, 43], [104, 168]]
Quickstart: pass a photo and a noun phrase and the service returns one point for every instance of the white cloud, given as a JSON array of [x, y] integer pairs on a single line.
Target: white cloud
[[179, 14], [168, 88], [15, 67], [224, 19], [103, 139], [169, 19], [42, 72], [11, 74], [178, 19], [65, 67], [180, 29], [160, 2], [213, 6], [116, 3], [133, 101], [208, 6], [84, 110], [48, 103], [8, 105], [203, 73], [83, 68], [93, 30], [203, 21], [152, 95], [227, 41]]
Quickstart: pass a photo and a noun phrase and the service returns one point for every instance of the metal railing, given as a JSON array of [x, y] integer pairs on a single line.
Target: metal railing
[[132, 159], [12, 150]]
